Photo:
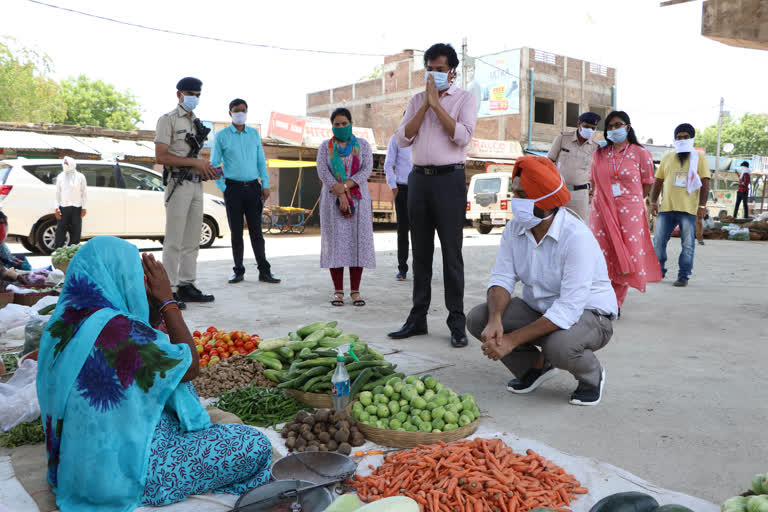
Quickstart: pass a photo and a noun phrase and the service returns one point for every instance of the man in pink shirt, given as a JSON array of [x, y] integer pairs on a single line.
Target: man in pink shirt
[[438, 126]]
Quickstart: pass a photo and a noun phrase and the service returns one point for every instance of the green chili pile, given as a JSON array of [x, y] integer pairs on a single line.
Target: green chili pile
[[24, 433], [262, 407]]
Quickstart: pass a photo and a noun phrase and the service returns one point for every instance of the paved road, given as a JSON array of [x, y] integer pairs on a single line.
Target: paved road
[[685, 395]]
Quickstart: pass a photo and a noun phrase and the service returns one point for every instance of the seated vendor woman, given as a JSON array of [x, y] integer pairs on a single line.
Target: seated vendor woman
[[8, 260], [123, 424], [567, 306]]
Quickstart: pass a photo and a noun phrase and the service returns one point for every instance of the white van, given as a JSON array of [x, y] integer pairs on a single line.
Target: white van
[[488, 200], [124, 200]]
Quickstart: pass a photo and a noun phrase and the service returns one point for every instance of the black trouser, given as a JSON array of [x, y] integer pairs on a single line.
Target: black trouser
[[403, 228], [71, 222], [243, 199], [741, 197], [438, 203]]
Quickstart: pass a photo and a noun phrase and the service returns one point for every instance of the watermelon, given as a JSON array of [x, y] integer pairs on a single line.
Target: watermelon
[[673, 508], [626, 502]]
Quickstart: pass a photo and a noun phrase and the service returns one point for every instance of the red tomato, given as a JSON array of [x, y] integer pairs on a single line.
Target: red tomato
[[246, 338], [243, 351], [239, 343], [250, 346], [197, 334], [214, 353], [203, 363], [205, 356], [224, 355], [211, 329]]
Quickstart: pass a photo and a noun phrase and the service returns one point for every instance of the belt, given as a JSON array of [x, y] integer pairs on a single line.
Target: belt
[[574, 188], [436, 170], [194, 178], [402, 185], [229, 182]]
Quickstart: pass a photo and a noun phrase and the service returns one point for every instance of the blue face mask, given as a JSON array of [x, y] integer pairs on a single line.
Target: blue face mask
[[189, 103], [441, 79], [618, 135]]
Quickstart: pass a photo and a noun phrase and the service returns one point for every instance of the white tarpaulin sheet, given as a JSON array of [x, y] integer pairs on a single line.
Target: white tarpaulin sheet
[[601, 479]]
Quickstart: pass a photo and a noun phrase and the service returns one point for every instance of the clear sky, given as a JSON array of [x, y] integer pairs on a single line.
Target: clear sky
[[667, 72]]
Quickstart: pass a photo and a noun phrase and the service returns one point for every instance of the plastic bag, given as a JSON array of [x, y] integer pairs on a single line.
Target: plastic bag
[[13, 315], [739, 234], [18, 397], [33, 330]]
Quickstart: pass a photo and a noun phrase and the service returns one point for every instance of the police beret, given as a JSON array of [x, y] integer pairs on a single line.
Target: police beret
[[589, 117], [687, 128], [189, 84]]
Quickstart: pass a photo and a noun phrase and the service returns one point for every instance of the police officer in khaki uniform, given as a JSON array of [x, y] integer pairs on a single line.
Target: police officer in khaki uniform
[[183, 193], [572, 153]]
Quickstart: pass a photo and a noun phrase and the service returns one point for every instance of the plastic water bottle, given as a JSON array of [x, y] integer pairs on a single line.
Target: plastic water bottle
[[340, 384]]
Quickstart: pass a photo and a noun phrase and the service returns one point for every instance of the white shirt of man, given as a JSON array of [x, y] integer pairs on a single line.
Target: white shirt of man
[[71, 188], [563, 275]]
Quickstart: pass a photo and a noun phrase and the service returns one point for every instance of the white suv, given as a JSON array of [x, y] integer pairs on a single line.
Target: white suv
[[124, 200]]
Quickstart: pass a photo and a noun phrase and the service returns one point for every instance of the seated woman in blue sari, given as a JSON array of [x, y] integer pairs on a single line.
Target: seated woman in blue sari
[[123, 424]]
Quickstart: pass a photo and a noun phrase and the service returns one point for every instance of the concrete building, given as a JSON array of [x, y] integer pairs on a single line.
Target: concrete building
[[502, 83]]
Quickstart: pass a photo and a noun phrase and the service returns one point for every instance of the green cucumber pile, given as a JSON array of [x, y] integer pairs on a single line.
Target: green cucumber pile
[[63, 255], [415, 405], [306, 360]]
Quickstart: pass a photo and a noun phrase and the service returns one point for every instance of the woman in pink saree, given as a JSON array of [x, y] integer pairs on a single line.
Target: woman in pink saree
[[622, 175]]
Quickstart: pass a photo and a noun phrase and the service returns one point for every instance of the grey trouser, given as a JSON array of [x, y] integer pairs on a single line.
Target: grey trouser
[[570, 349], [183, 223], [580, 204]]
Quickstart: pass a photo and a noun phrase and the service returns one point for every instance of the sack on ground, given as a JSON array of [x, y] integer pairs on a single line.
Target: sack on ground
[[18, 397]]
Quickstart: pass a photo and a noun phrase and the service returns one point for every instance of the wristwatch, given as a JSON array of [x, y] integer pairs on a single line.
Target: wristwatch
[[702, 207], [346, 187]]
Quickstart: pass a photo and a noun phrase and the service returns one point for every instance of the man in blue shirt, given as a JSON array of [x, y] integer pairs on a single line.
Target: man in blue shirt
[[238, 149], [397, 167]]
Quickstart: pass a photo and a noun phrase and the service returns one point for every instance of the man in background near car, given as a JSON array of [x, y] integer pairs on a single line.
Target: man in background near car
[[184, 208], [245, 183], [397, 167], [572, 153], [742, 195], [71, 196]]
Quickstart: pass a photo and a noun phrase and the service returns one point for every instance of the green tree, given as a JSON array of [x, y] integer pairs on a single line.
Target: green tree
[[27, 93], [96, 103], [377, 72], [749, 135]]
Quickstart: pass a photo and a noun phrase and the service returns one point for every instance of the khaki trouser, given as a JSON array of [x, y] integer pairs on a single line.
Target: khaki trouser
[[580, 204], [570, 349], [183, 223]]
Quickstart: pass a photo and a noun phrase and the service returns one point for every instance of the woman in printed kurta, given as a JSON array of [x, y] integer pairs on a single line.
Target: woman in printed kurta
[[122, 426], [622, 175], [344, 164]]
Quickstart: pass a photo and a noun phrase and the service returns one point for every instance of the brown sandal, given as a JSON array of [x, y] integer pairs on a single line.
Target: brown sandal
[[338, 299], [359, 302]]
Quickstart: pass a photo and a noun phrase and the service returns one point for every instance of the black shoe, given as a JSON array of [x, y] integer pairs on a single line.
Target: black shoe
[[589, 395], [236, 278], [459, 340], [190, 293], [532, 379], [408, 330], [268, 278], [701, 242], [182, 305], [680, 283]]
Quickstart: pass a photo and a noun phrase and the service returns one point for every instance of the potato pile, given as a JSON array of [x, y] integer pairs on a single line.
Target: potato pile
[[327, 430], [234, 373]]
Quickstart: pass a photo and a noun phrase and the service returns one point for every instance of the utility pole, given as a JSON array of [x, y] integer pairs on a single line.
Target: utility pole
[[464, 63], [719, 132]]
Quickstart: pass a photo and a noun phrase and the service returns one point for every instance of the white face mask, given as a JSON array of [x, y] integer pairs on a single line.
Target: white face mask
[[239, 118], [586, 133], [684, 146], [522, 209]]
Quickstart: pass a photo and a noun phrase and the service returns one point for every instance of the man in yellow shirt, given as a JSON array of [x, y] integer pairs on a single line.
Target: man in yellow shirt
[[683, 181]]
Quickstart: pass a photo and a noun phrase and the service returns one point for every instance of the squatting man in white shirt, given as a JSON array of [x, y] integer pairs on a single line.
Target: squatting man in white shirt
[[71, 195], [567, 306]]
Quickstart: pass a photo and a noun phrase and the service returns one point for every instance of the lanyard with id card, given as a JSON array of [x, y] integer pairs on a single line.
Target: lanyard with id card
[[681, 179], [616, 187]]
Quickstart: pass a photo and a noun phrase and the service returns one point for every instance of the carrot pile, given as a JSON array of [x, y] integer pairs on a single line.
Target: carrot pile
[[479, 475]]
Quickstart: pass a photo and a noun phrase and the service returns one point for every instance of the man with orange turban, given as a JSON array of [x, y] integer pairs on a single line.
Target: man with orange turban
[[567, 305]]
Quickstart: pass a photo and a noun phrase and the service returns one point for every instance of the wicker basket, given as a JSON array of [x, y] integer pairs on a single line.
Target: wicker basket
[[316, 400], [400, 439], [30, 299], [6, 298]]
